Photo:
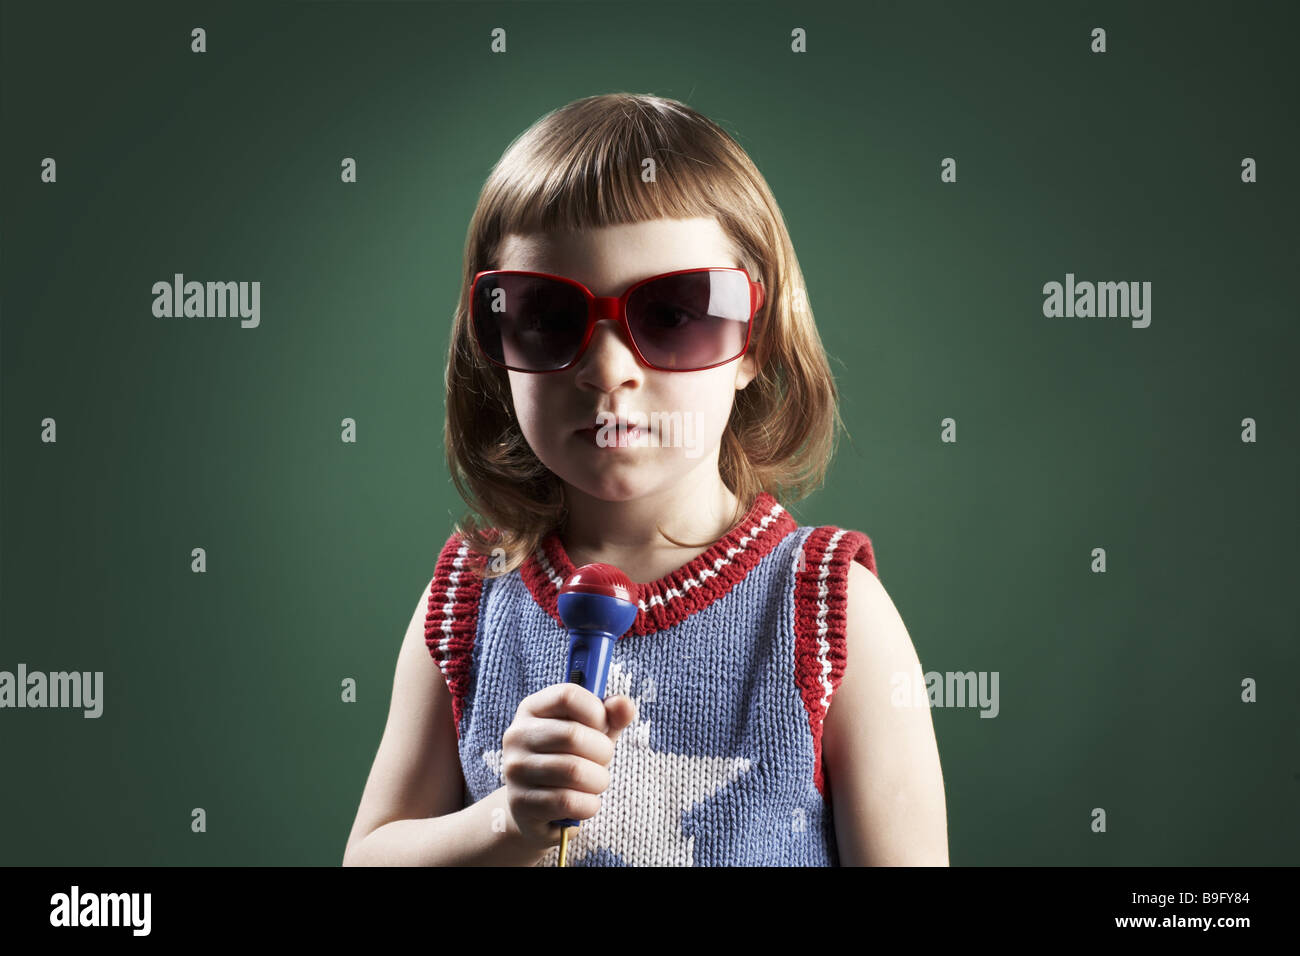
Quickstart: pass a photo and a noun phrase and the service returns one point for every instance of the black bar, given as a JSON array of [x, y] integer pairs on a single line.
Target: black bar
[[237, 904]]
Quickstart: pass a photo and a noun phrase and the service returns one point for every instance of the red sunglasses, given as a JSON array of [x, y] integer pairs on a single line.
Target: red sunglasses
[[681, 321]]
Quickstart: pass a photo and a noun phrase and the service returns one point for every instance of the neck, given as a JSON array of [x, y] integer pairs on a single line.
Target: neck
[[625, 533]]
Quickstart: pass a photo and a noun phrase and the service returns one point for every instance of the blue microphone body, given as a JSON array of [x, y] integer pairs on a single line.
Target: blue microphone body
[[595, 621]]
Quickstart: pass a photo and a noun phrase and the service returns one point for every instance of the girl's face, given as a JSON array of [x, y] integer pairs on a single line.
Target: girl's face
[[554, 408]]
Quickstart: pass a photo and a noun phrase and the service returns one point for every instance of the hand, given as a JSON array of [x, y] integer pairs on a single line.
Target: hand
[[555, 757]]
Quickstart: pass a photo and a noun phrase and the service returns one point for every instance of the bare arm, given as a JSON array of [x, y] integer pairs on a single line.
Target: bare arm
[[882, 760], [410, 812]]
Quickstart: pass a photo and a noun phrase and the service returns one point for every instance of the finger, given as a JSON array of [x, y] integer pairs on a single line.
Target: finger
[[620, 711], [553, 803], [546, 735], [569, 702], [564, 771]]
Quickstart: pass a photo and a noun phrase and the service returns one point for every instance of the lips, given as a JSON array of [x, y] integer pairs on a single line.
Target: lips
[[618, 435], [620, 424]]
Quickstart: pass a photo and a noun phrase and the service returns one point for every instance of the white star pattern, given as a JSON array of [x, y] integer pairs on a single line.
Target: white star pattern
[[655, 787]]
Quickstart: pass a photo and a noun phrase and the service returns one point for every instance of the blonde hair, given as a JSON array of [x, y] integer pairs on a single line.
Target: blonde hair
[[579, 167]]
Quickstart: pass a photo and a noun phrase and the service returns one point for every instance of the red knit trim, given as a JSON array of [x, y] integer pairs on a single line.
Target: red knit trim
[[452, 618], [820, 618], [692, 587]]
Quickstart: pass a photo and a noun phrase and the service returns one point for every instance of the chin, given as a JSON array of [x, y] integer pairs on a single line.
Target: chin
[[611, 487]]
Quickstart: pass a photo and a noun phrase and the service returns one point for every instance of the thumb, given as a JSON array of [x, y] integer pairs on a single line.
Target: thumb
[[619, 712]]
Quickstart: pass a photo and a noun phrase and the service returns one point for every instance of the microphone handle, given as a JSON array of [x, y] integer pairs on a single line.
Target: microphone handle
[[590, 652]]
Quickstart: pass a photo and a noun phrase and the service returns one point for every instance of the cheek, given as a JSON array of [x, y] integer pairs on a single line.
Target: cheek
[[711, 401], [531, 404], [522, 399]]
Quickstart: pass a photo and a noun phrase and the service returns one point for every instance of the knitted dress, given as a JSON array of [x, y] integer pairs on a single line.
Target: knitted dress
[[732, 661]]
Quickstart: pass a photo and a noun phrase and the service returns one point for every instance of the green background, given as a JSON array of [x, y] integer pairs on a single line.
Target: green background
[[1118, 690]]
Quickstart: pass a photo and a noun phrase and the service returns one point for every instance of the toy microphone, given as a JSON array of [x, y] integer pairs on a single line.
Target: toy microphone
[[597, 605]]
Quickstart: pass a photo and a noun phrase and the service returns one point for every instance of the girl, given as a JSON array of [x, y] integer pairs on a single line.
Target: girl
[[635, 378]]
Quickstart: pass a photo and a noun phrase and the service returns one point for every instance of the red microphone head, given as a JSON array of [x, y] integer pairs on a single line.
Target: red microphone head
[[601, 579]]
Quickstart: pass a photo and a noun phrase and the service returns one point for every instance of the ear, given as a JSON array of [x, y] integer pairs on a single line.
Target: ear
[[746, 370]]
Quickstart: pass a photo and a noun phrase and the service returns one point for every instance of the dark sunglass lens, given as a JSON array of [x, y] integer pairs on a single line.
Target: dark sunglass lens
[[692, 320], [529, 322]]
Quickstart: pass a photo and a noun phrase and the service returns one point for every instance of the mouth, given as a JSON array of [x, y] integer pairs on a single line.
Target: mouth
[[621, 436]]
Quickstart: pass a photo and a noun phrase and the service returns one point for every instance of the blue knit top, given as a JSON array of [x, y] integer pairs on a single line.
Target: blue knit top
[[732, 662]]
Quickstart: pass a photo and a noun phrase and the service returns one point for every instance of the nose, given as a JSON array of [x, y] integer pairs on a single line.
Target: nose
[[609, 360]]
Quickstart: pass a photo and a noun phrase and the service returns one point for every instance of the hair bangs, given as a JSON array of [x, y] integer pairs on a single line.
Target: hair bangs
[[587, 165]]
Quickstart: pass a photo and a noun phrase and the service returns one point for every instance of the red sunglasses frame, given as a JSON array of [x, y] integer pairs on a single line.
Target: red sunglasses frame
[[613, 307]]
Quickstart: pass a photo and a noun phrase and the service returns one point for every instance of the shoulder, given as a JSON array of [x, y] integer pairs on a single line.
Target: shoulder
[[828, 567], [833, 549], [452, 601], [875, 638], [451, 618], [831, 563], [457, 565], [879, 653], [874, 629]]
